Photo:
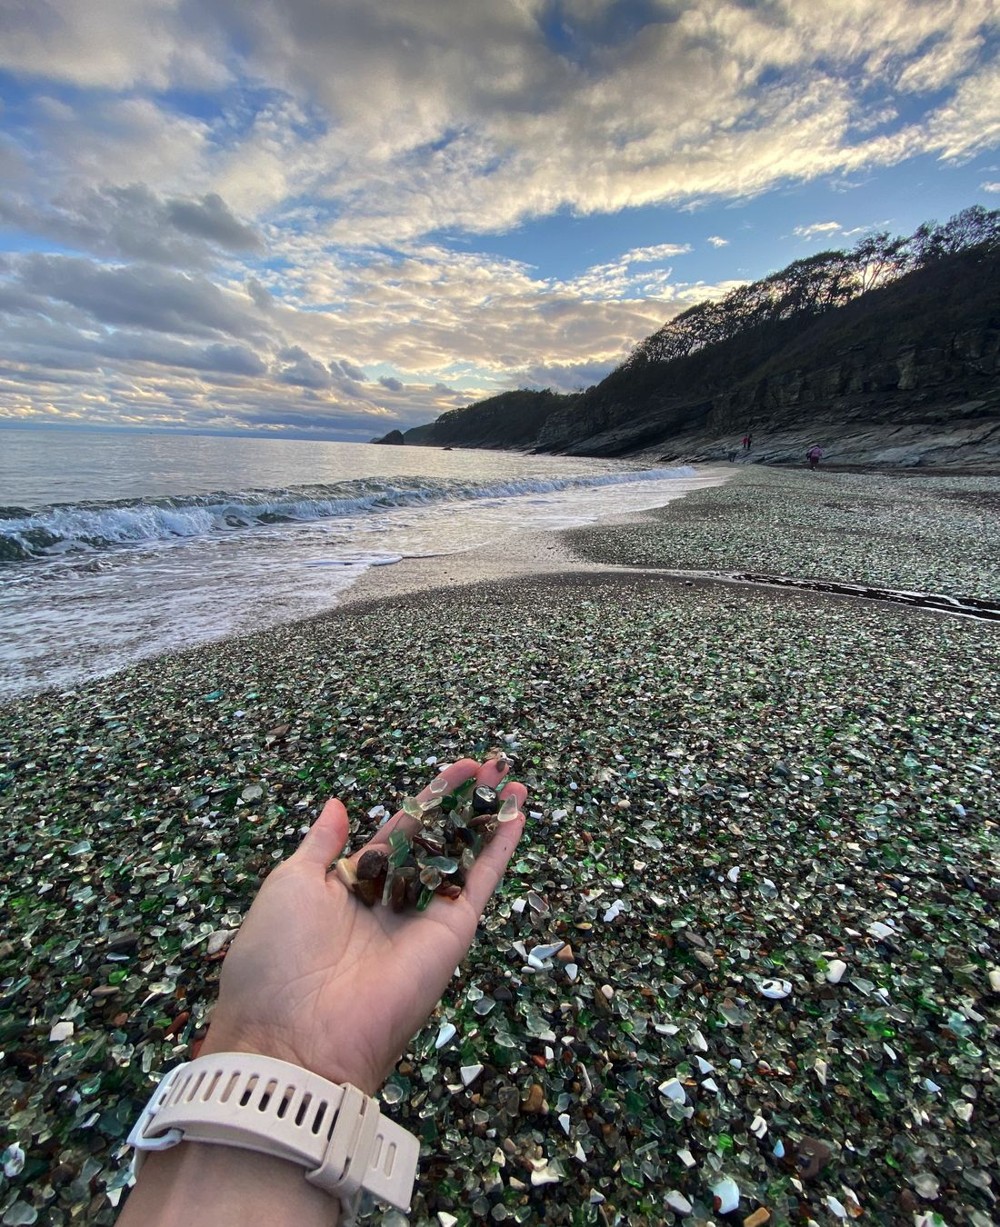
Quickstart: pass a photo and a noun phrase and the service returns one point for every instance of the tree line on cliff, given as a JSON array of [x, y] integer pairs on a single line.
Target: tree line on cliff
[[717, 342], [818, 283]]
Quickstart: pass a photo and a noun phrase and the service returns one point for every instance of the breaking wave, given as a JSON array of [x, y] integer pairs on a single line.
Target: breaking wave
[[91, 527]]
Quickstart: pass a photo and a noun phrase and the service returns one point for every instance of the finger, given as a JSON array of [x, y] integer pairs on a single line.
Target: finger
[[487, 870], [325, 839], [446, 782], [493, 771]]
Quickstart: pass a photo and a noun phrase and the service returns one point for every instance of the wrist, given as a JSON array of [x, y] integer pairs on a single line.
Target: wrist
[[194, 1183], [223, 1038]]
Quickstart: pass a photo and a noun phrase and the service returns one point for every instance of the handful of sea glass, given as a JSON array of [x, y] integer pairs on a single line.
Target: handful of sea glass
[[431, 849]]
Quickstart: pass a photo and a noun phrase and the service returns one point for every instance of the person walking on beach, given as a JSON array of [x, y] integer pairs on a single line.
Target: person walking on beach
[[747, 440], [814, 455]]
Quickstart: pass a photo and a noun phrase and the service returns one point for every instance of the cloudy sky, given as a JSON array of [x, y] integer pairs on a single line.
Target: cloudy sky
[[336, 217]]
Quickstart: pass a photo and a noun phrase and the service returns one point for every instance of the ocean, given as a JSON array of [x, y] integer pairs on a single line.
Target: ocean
[[115, 546]]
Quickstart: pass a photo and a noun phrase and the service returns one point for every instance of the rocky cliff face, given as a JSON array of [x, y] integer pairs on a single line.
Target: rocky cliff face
[[935, 404], [885, 376], [873, 380], [907, 374]]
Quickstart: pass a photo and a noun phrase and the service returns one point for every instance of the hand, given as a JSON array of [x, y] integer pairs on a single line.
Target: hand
[[316, 978]]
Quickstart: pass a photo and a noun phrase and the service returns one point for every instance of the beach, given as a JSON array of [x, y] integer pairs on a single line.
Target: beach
[[765, 821]]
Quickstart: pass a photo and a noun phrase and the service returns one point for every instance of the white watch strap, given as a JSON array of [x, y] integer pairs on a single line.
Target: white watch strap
[[241, 1099]]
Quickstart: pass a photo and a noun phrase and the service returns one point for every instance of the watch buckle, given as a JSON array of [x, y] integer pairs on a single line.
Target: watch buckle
[[137, 1137]]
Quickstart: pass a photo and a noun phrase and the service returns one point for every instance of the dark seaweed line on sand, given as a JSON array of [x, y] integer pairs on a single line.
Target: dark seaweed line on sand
[[961, 606]]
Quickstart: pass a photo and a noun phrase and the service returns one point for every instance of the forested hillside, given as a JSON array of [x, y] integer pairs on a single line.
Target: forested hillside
[[897, 330]]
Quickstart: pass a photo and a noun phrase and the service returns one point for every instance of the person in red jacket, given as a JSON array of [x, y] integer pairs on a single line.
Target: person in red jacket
[[814, 455]]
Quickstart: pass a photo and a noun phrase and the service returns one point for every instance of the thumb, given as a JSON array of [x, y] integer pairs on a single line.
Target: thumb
[[325, 839]]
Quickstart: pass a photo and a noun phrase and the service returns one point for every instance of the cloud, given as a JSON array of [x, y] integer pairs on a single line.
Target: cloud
[[817, 230], [210, 218], [651, 255], [969, 120], [139, 296], [989, 187], [349, 370], [107, 44], [221, 196], [165, 352], [262, 297], [132, 222], [416, 118], [302, 370]]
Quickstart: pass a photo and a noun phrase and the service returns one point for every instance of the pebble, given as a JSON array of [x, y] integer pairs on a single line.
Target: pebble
[[835, 971], [469, 1073], [677, 1201], [445, 1035], [672, 1089], [541, 954], [542, 1173], [607, 991], [759, 1217], [120, 942], [219, 939], [725, 1195], [926, 1185], [534, 1101], [12, 1160], [20, 1214], [61, 1031], [812, 1155]]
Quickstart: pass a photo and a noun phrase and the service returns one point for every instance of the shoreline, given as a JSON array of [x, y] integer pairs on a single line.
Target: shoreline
[[770, 784], [522, 553]]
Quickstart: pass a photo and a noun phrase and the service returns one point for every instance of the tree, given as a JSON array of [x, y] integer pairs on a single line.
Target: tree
[[879, 258], [973, 227]]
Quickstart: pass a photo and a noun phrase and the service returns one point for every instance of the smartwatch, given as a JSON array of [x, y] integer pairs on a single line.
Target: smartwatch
[[337, 1133]]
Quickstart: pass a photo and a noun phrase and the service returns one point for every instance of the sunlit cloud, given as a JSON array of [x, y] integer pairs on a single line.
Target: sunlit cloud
[[817, 230], [265, 213]]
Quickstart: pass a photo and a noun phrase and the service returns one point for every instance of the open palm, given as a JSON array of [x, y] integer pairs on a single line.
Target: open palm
[[317, 979]]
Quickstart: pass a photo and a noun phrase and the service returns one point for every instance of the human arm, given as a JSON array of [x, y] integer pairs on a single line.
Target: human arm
[[317, 979]]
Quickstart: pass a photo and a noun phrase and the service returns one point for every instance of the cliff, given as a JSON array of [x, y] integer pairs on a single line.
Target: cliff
[[916, 360], [904, 374], [510, 420]]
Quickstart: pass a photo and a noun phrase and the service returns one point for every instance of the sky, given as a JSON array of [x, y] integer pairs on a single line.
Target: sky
[[335, 218]]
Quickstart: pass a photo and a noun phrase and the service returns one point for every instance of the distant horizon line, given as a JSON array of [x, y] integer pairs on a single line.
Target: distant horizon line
[[296, 436]]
